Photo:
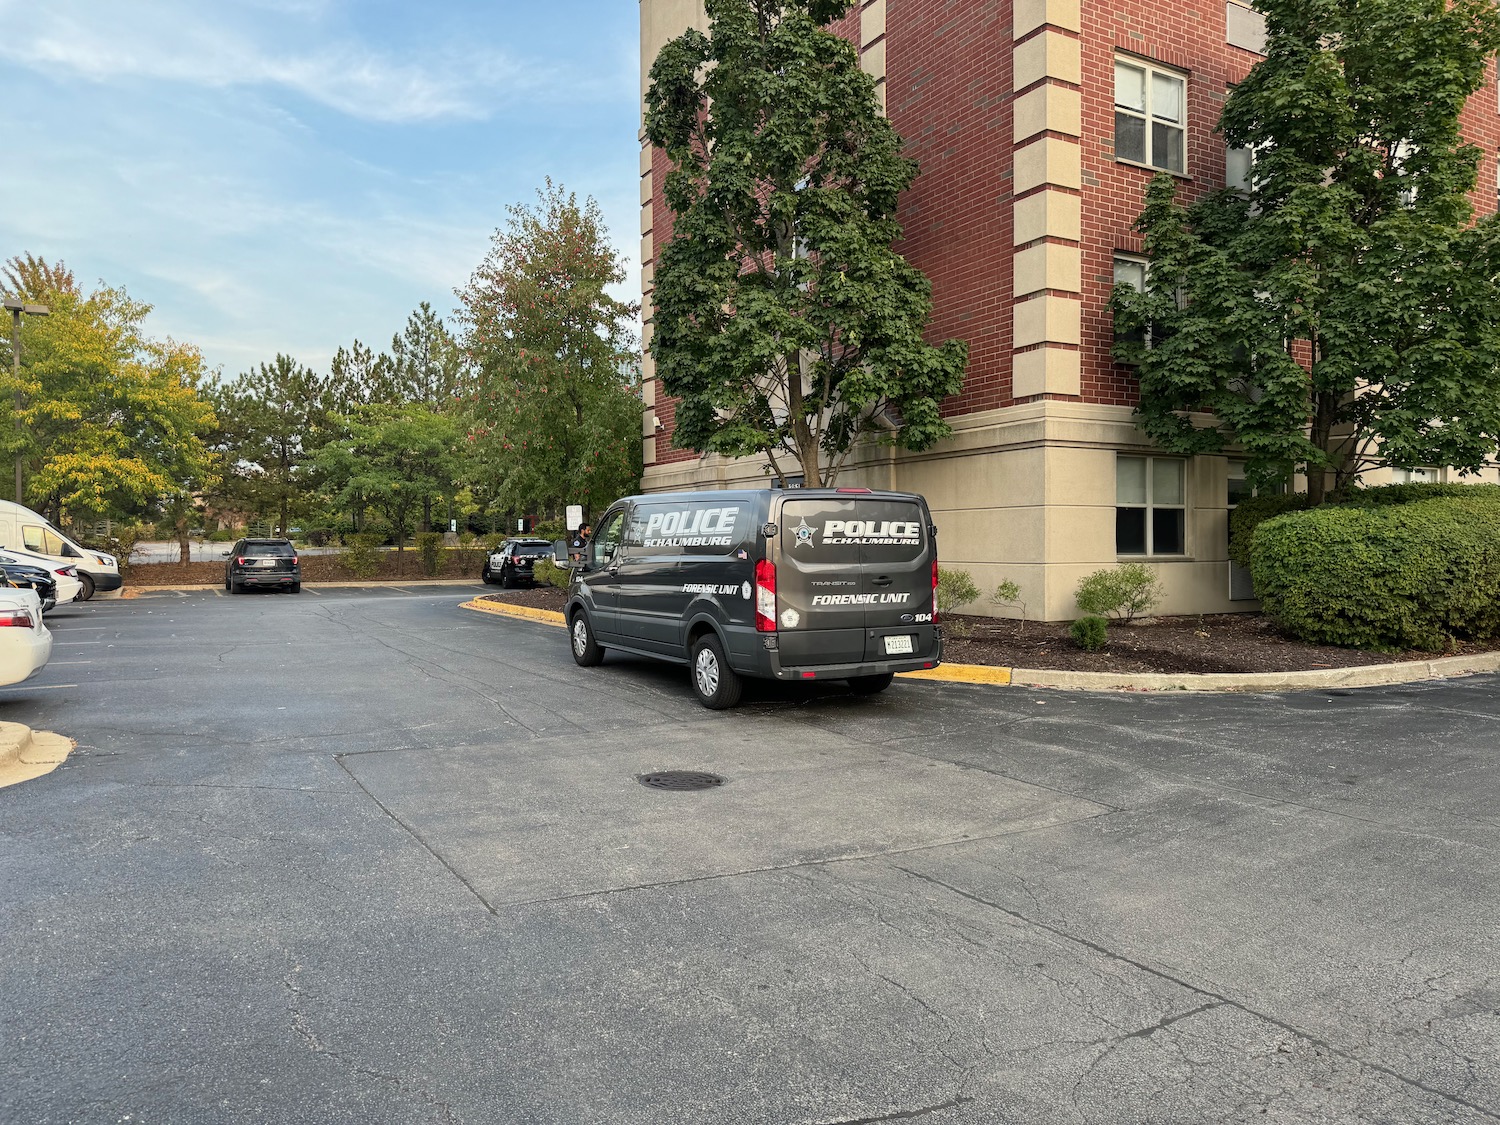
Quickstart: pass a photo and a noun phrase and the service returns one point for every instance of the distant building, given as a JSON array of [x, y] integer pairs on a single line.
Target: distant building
[[1037, 124]]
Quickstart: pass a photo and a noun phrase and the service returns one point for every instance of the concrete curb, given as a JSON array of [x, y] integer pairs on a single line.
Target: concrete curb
[[25, 753], [1367, 675]]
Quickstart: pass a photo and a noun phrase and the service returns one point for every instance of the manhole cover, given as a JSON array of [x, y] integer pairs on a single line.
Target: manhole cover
[[677, 780]]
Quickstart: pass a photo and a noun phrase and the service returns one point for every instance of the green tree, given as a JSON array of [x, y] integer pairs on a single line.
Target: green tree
[[1343, 312], [552, 403], [784, 321], [359, 376], [274, 419], [112, 419], [395, 457], [426, 362]]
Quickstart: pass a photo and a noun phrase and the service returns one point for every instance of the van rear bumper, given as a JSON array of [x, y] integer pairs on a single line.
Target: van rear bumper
[[769, 665], [104, 580]]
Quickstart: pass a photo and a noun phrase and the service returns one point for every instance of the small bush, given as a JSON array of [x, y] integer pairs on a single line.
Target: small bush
[[1124, 592], [550, 574], [363, 554], [430, 547], [1385, 576], [1008, 593], [1090, 633], [954, 588]]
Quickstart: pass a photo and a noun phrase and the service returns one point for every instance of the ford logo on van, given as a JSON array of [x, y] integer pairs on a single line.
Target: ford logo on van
[[908, 618]]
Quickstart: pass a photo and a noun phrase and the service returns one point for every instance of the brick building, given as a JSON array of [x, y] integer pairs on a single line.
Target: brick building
[[1037, 125]]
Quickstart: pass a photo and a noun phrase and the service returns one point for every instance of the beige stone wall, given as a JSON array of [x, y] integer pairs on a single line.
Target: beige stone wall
[[1027, 493]]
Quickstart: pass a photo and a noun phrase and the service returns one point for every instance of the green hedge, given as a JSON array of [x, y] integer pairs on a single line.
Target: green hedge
[[1251, 513], [1387, 575], [1422, 490]]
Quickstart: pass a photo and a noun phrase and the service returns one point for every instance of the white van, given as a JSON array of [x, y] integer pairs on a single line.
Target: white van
[[24, 530]]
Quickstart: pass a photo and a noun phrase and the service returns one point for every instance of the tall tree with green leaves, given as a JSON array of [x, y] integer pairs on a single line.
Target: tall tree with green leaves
[[552, 400], [399, 458], [1342, 312], [274, 420], [113, 420], [784, 320]]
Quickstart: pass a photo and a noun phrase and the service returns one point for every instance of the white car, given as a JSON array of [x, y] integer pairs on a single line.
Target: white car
[[25, 643], [68, 584]]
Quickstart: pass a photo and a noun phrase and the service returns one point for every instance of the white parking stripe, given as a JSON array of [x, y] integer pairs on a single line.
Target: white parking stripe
[[36, 687]]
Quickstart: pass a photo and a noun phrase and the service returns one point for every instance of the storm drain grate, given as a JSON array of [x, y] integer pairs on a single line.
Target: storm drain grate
[[680, 780]]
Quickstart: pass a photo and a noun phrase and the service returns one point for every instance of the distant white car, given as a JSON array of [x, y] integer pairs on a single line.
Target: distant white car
[[25, 643], [68, 584]]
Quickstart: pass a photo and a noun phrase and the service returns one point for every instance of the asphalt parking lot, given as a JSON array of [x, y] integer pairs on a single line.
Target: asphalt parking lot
[[364, 855]]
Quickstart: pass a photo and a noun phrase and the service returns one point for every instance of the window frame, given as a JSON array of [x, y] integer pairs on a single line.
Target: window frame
[[1150, 507], [1149, 71]]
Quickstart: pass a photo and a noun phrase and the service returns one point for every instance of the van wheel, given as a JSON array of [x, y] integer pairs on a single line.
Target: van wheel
[[871, 685], [88, 587], [586, 650], [716, 684]]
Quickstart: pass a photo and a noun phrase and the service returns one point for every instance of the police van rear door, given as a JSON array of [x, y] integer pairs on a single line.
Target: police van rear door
[[896, 556]]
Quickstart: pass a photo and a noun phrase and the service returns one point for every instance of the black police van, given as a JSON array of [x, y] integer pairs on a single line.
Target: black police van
[[806, 584]]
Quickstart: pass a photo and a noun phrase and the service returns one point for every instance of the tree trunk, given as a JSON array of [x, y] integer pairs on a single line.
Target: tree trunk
[[184, 545]]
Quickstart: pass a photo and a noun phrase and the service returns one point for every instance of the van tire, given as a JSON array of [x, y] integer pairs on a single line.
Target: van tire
[[586, 650], [88, 587], [871, 685], [716, 684]]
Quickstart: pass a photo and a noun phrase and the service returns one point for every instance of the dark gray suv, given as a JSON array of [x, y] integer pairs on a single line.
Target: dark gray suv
[[264, 563]]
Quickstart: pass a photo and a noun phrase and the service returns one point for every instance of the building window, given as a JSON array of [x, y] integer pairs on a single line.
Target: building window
[[1150, 116], [1420, 475], [1131, 271], [1150, 506]]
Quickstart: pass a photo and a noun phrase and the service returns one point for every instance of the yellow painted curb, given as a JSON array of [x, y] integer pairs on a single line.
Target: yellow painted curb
[[504, 609], [25, 753], [961, 674]]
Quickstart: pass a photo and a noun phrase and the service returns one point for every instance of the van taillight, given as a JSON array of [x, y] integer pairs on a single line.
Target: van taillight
[[934, 591], [765, 596]]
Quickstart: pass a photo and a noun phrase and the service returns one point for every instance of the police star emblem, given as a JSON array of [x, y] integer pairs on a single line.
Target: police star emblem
[[803, 534]]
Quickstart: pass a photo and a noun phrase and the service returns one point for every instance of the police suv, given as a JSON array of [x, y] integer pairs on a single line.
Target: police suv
[[808, 584]]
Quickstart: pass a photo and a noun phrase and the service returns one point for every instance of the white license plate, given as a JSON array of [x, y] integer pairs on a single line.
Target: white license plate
[[265, 562], [894, 645]]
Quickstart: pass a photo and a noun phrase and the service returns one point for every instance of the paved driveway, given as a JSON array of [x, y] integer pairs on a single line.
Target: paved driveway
[[366, 856]]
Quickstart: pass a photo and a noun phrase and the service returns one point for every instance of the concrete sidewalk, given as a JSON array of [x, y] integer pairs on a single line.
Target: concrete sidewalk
[[25, 753]]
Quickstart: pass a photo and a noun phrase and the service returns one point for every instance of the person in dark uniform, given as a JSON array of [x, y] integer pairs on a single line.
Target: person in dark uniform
[[579, 542]]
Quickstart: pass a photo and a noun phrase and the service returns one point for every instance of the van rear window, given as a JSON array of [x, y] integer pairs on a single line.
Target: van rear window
[[852, 530]]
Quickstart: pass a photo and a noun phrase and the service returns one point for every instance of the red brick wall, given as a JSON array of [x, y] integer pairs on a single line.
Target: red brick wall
[[948, 79]]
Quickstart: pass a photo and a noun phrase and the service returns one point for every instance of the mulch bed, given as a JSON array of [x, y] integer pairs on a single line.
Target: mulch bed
[[1228, 642], [403, 565]]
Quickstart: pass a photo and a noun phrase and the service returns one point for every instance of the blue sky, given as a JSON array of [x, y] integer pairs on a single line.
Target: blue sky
[[290, 175]]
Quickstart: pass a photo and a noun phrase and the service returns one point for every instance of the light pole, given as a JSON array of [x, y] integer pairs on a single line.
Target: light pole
[[17, 307]]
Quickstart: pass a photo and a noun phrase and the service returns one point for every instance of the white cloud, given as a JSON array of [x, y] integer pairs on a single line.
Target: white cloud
[[121, 43]]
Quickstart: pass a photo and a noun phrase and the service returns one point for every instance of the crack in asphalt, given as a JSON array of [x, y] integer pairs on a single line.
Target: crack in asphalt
[[1218, 999], [904, 1115]]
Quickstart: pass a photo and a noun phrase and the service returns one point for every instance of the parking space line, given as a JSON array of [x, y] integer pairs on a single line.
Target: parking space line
[[24, 686], [63, 663]]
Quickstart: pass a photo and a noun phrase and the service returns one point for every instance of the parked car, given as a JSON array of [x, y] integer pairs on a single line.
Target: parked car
[[69, 583], [513, 561], [267, 563], [23, 529], [807, 584], [18, 576], [25, 643]]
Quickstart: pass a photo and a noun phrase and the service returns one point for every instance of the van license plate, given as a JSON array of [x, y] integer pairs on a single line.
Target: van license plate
[[894, 645]]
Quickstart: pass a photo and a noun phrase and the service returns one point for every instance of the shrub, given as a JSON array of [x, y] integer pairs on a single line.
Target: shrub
[[363, 555], [1124, 592], [1386, 576], [1251, 513], [1418, 491], [1008, 593], [492, 542], [549, 573], [1090, 633], [430, 547], [954, 588]]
